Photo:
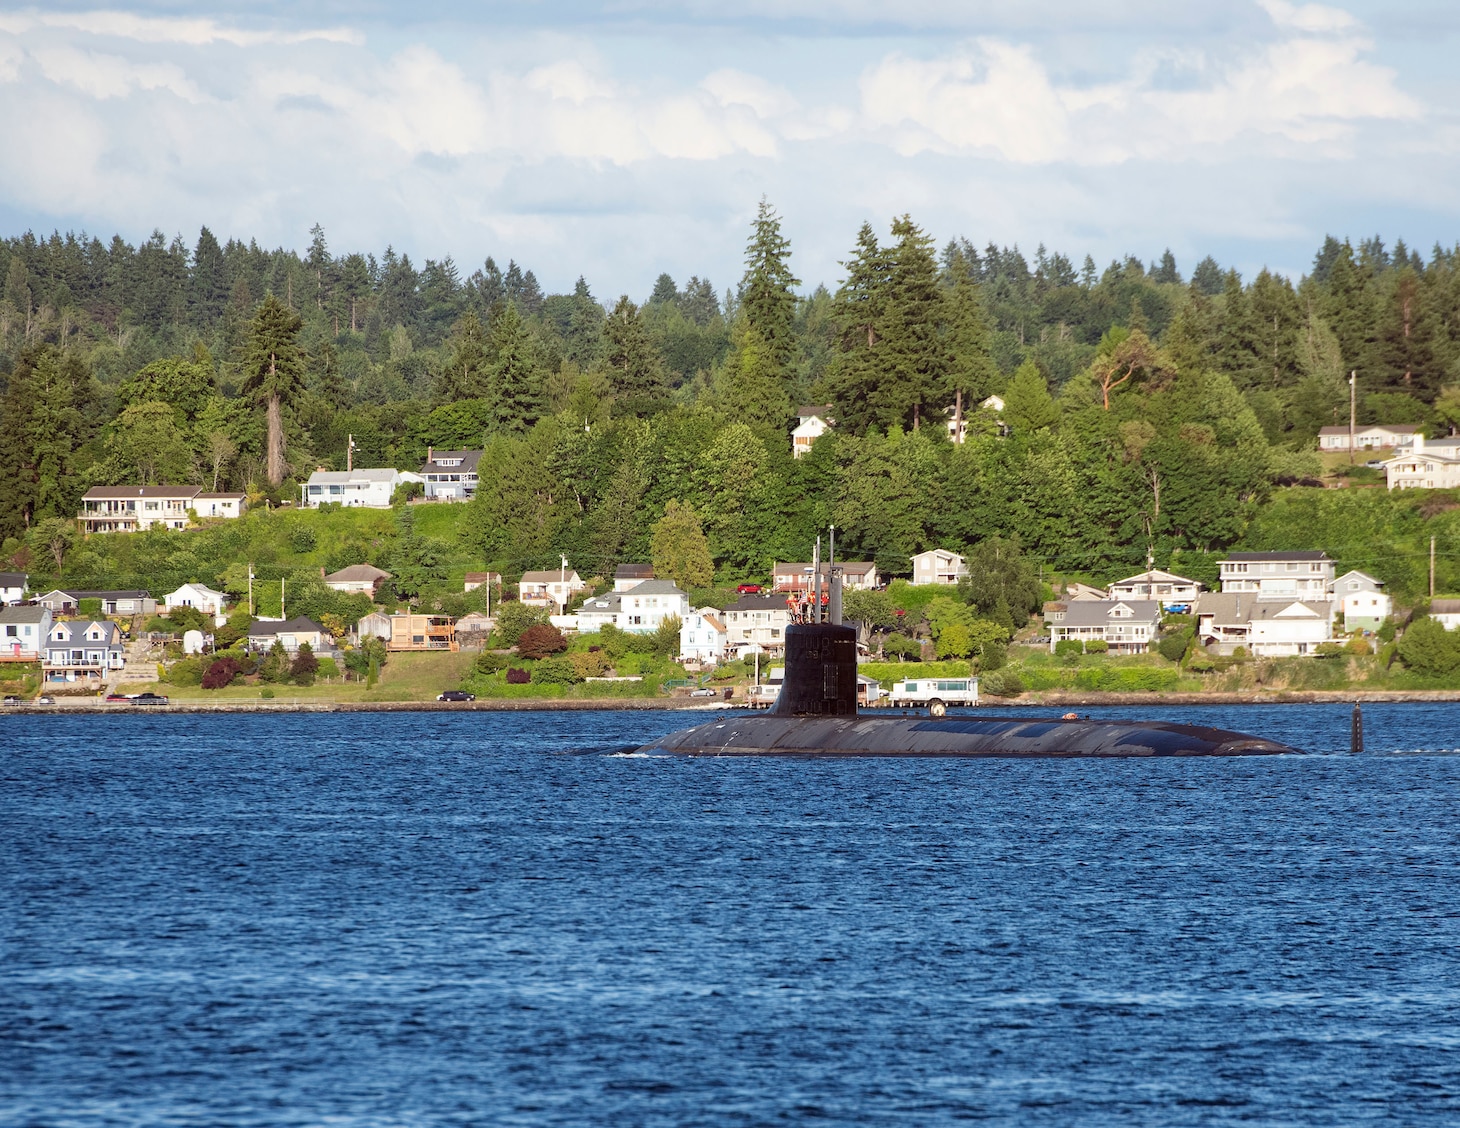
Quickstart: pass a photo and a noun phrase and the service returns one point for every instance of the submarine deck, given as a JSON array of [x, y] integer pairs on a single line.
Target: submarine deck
[[956, 736]]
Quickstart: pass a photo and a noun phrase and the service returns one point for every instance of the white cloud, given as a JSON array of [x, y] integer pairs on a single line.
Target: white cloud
[[1308, 17], [111, 76], [151, 29]]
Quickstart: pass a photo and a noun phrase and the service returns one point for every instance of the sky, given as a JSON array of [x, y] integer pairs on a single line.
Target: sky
[[617, 139]]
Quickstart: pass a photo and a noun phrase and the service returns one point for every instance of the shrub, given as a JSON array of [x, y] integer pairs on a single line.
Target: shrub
[[302, 539], [1240, 654], [556, 671], [1386, 631], [1001, 683], [275, 666], [1200, 661], [1428, 648], [514, 618], [328, 668], [540, 640], [1328, 650], [304, 667], [517, 677], [1173, 646], [1359, 645], [1096, 646], [221, 672], [491, 662], [89, 608], [1068, 647], [589, 663], [189, 671], [266, 693]]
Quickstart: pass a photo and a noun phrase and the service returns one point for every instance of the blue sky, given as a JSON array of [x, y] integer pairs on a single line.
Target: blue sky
[[622, 139]]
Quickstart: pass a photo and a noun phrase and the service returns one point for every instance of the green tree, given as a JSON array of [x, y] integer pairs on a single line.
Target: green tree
[[1028, 406], [467, 374], [1001, 581], [516, 381], [971, 368], [274, 373], [515, 618], [1428, 648], [183, 385], [55, 535], [274, 668], [767, 299], [149, 447], [634, 365], [679, 549], [305, 666]]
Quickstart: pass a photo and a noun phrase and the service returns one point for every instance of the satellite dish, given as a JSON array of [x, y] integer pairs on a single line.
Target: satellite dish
[[192, 642]]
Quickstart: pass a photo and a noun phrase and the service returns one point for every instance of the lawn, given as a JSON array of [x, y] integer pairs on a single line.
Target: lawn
[[406, 677]]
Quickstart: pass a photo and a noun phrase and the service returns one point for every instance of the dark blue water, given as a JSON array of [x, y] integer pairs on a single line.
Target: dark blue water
[[468, 919]]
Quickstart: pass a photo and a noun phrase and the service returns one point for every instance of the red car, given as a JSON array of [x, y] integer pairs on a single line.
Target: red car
[[748, 589], [123, 697]]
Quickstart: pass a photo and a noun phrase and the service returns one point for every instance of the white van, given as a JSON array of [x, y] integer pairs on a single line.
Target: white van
[[936, 693]]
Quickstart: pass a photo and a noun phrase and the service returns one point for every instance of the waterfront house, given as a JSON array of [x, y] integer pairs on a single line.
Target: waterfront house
[[354, 489], [626, 576], [200, 597], [1446, 612], [646, 605], [857, 575], [81, 650], [938, 566], [1172, 592], [1371, 437], [1362, 599], [599, 611], [451, 475], [293, 633], [134, 602], [126, 509], [1426, 466], [757, 622], [12, 587], [815, 421], [1278, 575], [1262, 625], [357, 579], [702, 636], [1126, 626], [421, 632], [23, 632], [549, 587]]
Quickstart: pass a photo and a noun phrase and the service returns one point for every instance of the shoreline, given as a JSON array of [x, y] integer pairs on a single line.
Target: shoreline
[[91, 706]]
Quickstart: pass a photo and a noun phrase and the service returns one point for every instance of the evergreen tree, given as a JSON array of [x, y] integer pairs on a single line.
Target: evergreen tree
[[1028, 406], [766, 299], [273, 374], [971, 367], [467, 373], [680, 551], [1166, 273], [1208, 277], [665, 291], [208, 291], [913, 358], [853, 381], [634, 365], [516, 381]]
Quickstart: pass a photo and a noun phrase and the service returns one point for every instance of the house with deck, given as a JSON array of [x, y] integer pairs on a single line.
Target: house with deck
[[292, 633], [938, 566], [757, 623], [1362, 600], [703, 636], [357, 579], [80, 650], [1174, 593], [550, 587], [857, 575], [451, 475], [1374, 436], [199, 597], [1304, 575], [354, 489], [132, 602], [1126, 626], [23, 632]]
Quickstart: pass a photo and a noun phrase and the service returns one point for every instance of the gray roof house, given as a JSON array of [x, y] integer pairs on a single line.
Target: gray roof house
[[23, 631], [291, 632], [451, 475], [1126, 626], [362, 578], [78, 650], [12, 587]]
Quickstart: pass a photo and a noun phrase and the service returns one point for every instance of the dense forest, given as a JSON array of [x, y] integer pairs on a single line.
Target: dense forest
[[1147, 413]]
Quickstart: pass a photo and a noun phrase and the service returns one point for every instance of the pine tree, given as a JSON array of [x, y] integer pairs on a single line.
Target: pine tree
[[913, 357], [680, 551], [1028, 406], [766, 299], [208, 291], [467, 372], [665, 291], [634, 364], [854, 377], [274, 374], [516, 382]]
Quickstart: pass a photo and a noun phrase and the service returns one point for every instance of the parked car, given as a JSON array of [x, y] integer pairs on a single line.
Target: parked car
[[13, 700], [702, 692], [1375, 464], [748, 589], [456, 695], [150, 699], [45, 699], [121, 698]]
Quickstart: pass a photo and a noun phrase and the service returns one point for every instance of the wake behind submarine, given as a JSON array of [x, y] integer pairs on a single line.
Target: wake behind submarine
[[816, 715]]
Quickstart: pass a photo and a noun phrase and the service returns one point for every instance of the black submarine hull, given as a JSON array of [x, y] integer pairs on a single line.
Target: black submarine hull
[[956, 737]]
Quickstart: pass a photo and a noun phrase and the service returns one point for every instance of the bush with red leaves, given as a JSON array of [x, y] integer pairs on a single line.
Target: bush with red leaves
[[517, 677], [540, 641], [221, 672]]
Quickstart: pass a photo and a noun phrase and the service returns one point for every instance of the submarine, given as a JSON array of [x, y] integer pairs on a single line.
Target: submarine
[[816, 715]]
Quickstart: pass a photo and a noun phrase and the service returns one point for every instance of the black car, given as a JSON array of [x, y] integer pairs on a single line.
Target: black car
[[149, 699], [456, 695], [13, 700]]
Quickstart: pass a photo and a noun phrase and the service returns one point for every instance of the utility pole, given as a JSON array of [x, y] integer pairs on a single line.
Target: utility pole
[[350, 454], [563, 584], [250, 589], [1432, 567], [281, 599], [816, 581], [1353, 403]]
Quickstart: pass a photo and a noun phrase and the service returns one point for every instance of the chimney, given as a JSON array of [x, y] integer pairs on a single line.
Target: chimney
[[1419, 442]]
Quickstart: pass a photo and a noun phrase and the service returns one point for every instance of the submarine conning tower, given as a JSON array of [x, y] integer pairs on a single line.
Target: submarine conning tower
[[821, 672]]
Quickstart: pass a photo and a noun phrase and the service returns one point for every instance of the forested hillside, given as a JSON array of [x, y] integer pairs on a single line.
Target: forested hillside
[[1147, 411]]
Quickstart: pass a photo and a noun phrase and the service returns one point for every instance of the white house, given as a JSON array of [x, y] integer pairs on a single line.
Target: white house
[[1170, 590], [1425, 466], [125, 509], [291, 632], [367, 489], [1397, 435], [815, 422], [626, 576], [1362, 599], [1281, 629], [1126, 626], [938, 566], [77, 650], [549, 587], [135, 602], [197, 596], [23, 631], [1446, 612], [451, 475], [648, 604], [757, 622], [1278, 575], [1262, 625], [600, 611], [702, 636], [223, 505], [12, 587], [958, 420], [357, 579]]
